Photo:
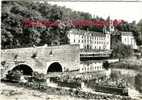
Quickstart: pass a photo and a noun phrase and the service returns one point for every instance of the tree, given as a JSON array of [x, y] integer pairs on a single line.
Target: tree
[[106, 65], [139, 29], [120, 50], [138, 82], [15, 34], [139, 26]]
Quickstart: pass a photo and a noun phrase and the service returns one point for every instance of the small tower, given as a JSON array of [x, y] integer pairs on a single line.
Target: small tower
[[111, 27], [104, 29]]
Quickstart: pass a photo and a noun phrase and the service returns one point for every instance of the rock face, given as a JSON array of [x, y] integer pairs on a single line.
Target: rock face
[[40, 59]]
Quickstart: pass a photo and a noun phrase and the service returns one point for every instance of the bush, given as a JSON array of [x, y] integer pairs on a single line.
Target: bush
[[14, 75], [106, 65], [126, 66], [138, 82]]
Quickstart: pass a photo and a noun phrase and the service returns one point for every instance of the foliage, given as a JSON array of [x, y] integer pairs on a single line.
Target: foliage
[[139, 32], [136, 29], [106, 65], [14, 75], [126, 65], [15, 35], [120, 50], [138, 82], [139, 26], [38, 77], [115, 75]]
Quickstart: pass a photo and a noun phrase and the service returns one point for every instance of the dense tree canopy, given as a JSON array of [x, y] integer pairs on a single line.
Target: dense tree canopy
[[139, 32], [15, 34], [138, 82], [120, 50]]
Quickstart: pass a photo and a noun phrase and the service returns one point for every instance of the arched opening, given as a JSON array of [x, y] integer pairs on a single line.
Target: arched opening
[[25, 69], [55, 67]]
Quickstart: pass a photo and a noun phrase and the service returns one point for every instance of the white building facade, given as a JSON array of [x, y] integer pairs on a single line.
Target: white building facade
[[89, 39], [127, 38]]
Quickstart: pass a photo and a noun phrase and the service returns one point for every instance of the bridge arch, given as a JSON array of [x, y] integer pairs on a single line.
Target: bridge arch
[[55, 67], [26, 69]]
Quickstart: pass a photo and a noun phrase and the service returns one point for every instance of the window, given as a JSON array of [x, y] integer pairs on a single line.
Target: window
[[88, 69], [125, 39], [99, 47]]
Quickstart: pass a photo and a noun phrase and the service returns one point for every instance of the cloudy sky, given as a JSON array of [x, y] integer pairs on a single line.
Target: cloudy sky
[[128, 11]]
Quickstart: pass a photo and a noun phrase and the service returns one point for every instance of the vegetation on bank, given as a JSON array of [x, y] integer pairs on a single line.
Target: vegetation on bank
[[119, 50], [127, 65], [35, 83], [133, 79], [15, 35], [138, 82]]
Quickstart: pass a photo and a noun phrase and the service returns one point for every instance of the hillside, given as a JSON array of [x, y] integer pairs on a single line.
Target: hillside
[[58, 21], [15, 35]]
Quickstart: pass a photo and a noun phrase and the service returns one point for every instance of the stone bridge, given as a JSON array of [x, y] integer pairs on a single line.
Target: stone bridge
[[42, 59]]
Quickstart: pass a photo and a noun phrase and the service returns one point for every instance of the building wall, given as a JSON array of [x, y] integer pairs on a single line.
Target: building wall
[[127, 38], [108, 41], [68, 56], [90, 40]]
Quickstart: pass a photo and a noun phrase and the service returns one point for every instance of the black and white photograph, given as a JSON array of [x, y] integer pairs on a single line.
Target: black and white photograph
[[71, 50]]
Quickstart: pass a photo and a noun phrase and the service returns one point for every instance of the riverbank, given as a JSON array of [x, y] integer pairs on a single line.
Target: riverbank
[[16, 92], [131, 63], [11, 92]]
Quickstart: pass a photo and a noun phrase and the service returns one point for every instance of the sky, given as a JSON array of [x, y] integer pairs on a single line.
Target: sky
[[128, 11]]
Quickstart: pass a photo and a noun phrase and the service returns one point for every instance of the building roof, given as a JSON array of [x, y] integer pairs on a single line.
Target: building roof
[[83, 32], [126, 33]]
